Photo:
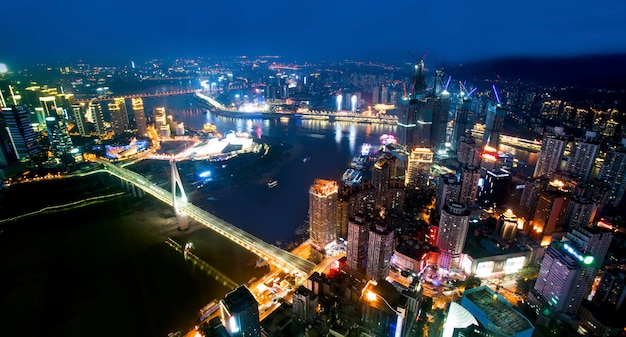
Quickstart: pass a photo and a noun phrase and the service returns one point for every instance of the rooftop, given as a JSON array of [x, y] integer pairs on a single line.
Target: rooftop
[[498, 311]]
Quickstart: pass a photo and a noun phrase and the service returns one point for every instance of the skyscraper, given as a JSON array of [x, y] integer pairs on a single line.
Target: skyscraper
[[119, 116], [358, 238], [583, 157], [379, 251], [613, 173], [21, 133], [60, 141], [239, 312], [549, 158], [78, 114], [382, 171], [493, 125], [408, 118], [97, 118], [469, 185], [549, 218], [419, 167], [140, 116], [568, 268], [460, 120], [323, 209], [453, 226]]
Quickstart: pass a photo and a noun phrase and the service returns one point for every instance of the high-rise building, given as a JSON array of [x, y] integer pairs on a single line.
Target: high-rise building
[[441, 108], [354, 200], [468, 151], [161, 123], [97, 118], [375, 95], [493, 125], [611, 291], [460, 121], [568, 269], [384, 309], [22, 136], [382, 171], [448, 189], [582, 158], [323, 211], [239, 312], [469, 185], [613, 173], [119, 116], [453, 226], [408, 118], [419, 165], [549, 218], [379, 251], [305, 303], [78, 115], [60, 141], [549, 158], [495, 189], [140, 116], [358, 239]]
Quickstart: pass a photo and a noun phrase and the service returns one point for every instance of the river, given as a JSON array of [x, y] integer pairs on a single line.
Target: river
[[105, 269]]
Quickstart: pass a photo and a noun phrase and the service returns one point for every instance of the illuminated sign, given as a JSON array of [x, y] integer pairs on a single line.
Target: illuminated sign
[[586, 259]]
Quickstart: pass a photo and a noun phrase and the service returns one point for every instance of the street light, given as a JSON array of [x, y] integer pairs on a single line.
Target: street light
[[371, 296]]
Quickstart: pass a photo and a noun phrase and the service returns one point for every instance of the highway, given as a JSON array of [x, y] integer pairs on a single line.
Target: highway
[[272, 254]]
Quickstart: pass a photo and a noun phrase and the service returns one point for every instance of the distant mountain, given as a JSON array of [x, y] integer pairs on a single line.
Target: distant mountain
[[599, 71]]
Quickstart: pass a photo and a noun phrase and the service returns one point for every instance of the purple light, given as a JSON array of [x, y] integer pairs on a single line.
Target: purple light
[[496, 92]]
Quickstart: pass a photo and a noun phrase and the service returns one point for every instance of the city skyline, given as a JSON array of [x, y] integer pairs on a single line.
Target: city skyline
[[462, 32]]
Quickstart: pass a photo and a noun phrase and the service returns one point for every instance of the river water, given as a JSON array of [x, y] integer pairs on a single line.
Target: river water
[[105, 269]]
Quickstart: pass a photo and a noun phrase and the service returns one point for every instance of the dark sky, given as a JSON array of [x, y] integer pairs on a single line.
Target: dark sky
[[451, 31]]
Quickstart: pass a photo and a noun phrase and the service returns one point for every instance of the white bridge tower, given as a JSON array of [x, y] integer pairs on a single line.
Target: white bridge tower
[[178, 202]]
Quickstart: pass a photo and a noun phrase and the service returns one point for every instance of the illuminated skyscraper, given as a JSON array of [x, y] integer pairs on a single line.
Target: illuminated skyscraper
[[239, 312], [140, 116], [419, 167], [408, 119], [549, 218], [22, 136], [460, 121], [448, 189], [60, 141], [78, 114], [119, 116], [582, 157], [358, 238], [97, 118], [453, 226], [382, 171], [493, 125], [613, 173], [568, 268], [468, 151], [161, 123], [549, 159], [469, 185], [323, 211], [379, 251]]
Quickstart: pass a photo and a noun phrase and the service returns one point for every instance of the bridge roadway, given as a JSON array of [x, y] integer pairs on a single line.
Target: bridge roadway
[[272, 254]]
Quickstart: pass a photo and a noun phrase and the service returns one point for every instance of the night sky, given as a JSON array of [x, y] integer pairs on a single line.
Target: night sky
[[450, 31]]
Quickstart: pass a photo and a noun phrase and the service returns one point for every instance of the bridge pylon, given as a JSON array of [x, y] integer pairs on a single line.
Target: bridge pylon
[[178, 201]]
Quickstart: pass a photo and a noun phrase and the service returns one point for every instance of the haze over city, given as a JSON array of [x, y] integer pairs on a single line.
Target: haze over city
[[460, 31]]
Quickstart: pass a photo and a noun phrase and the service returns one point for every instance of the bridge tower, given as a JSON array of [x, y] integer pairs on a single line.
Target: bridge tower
[[178, 202]]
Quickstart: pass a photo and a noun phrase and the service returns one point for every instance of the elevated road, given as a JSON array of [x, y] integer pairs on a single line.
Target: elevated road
[[272, 254]]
